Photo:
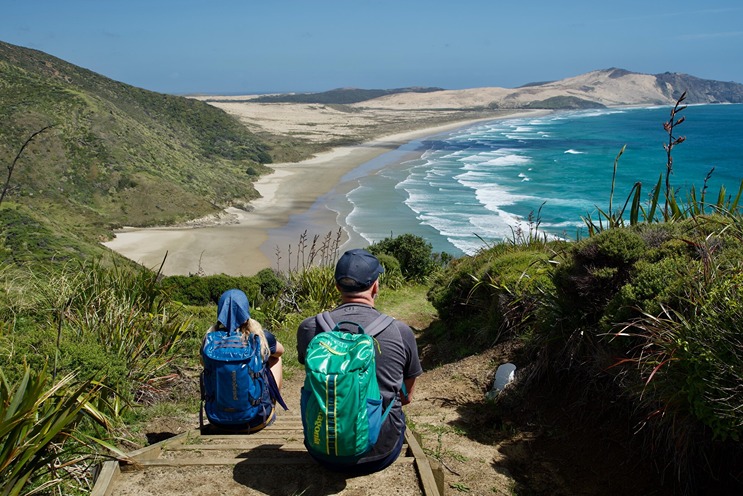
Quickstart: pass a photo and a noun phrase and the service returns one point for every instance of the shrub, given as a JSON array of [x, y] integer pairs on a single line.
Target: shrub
[[413, 252], [653, 285], [392, 276], [205, 290], [271, 283], [496, 291], [653, 314], [593, 270], [690, 353], [716, 390], [39, 347], [685, 376], [220, 283], [28, 240], [189, 290], [450, 289]]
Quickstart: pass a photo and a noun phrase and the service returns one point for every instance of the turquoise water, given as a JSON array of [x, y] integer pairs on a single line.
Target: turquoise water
[[478, 184]]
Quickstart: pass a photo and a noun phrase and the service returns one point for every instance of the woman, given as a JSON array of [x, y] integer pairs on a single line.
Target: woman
[[229, 341]]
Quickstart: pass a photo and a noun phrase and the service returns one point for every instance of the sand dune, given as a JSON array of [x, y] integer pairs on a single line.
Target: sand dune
[[608, 87]]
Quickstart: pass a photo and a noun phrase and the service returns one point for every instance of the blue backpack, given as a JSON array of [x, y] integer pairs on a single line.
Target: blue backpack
[[236, 387]]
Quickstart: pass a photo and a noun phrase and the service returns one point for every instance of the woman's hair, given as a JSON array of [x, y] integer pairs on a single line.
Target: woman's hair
[[252, 326]]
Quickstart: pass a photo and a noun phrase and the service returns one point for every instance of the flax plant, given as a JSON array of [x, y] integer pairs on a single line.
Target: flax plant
[[673, 140], [315, 288], [673, 209], [320, 252], [613, 219], [724, 205], [126, 311], [38, 420], [527, 234]]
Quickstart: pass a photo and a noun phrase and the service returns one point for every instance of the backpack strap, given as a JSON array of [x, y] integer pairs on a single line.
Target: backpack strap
[[326, 323], [380, 324], [386, 411], [274, 388]]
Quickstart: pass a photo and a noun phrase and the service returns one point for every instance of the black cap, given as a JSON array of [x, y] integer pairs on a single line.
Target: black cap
[[357, 270]]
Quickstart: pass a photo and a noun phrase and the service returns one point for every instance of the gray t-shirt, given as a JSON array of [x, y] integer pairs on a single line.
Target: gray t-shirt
[[398, 360]]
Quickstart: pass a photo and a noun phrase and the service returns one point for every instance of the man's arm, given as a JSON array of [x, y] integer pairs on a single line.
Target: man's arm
[[412, 367], [409, 387], [305, 332]]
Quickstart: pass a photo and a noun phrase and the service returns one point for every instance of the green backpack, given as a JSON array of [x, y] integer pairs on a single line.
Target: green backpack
[[341, 405]]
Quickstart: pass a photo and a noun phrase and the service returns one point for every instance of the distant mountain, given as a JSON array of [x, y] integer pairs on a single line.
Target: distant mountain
[[116, 154], [603, 88]]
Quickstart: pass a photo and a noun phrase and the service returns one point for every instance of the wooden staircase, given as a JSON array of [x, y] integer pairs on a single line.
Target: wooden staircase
[[273, 461]]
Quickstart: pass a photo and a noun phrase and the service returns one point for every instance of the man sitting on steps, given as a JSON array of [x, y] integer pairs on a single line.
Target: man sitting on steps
[[397, 363]]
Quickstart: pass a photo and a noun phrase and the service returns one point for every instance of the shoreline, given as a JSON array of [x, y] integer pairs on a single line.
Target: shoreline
[[240, 242]]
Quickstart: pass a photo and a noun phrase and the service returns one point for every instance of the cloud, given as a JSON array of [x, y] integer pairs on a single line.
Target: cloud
[[674, 14], [707, 36]]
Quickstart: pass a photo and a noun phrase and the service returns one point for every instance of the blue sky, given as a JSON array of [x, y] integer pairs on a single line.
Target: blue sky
[[250, 46]]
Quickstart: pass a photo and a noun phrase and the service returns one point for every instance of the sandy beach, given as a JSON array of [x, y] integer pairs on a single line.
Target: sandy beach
[[241, 242]]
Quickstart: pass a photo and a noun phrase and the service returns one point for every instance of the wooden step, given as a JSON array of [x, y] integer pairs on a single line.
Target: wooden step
[[274, 452], [288, 458]]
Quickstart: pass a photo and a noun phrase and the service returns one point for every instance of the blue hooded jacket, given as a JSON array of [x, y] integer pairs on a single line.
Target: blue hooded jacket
[[233, 309]]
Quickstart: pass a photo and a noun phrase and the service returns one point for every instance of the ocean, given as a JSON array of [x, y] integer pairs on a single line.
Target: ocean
[[467, 188]]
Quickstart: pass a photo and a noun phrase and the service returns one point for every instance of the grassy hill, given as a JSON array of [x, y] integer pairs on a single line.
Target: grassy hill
[[114, 154]]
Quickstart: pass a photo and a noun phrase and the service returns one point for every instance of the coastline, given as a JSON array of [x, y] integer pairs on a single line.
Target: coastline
[[244, 242]]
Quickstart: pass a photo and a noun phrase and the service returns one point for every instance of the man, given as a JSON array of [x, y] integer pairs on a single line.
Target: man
[[357, 278]]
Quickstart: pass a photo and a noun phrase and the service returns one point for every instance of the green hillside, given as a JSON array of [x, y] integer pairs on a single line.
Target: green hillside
[[115, 154]]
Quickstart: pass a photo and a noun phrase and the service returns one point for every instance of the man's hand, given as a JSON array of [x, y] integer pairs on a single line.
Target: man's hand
[[406, 392]]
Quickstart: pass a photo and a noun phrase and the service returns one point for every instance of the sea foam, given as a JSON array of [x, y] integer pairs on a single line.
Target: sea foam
[[482, 182]]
